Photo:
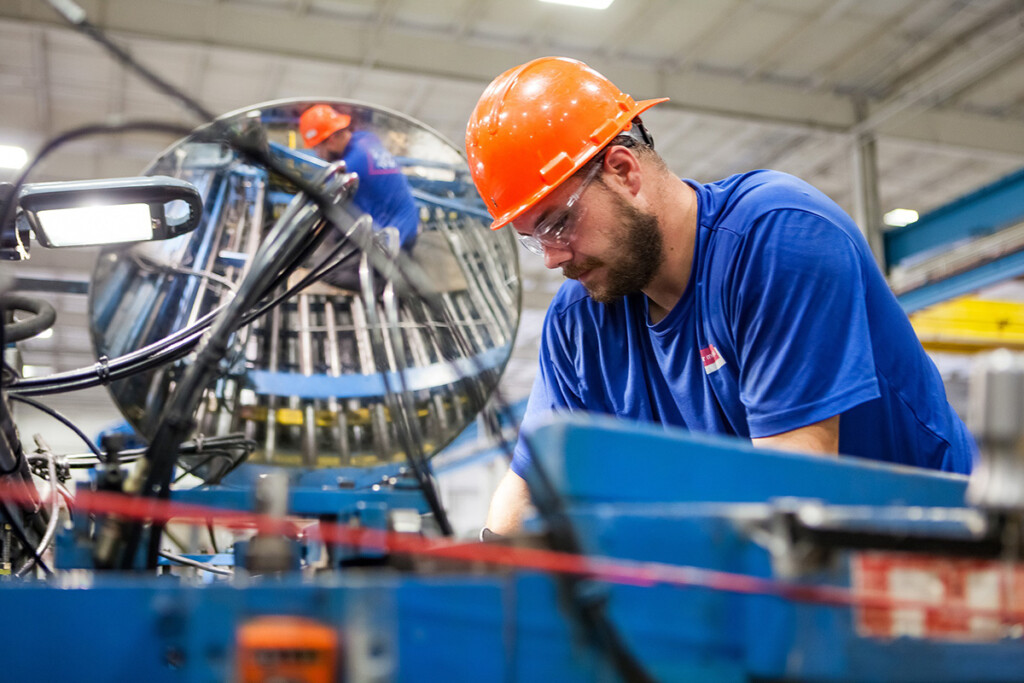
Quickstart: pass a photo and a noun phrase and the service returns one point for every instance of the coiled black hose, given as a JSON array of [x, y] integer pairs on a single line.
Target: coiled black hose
[[43, 316]]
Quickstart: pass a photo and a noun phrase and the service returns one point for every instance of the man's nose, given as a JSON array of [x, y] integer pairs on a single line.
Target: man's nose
[[555, 255]]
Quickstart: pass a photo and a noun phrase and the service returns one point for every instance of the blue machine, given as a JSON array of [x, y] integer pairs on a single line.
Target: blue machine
[[634, 493]]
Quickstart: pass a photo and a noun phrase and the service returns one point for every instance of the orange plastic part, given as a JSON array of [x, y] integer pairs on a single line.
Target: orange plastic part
[[286, 648], [536, 125]]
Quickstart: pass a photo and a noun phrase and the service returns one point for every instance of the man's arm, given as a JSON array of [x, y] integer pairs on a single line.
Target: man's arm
[[820, 438], [509, 504]]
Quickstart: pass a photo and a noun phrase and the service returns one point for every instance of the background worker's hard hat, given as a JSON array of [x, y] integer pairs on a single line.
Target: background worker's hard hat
[[320, 122], [536, 125]]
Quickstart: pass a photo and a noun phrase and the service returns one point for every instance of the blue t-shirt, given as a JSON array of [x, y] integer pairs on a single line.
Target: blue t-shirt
[[786, 321], [383, 189]]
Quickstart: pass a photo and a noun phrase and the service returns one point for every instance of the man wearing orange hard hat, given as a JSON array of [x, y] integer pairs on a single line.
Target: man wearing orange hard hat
[[751, 306], [383, 190]]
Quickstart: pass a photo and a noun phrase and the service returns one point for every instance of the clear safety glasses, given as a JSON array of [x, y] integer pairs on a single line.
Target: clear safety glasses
[[556, 228]]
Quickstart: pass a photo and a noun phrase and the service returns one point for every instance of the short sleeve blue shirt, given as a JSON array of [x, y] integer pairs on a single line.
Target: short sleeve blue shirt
[[383, 189], [786, 321]]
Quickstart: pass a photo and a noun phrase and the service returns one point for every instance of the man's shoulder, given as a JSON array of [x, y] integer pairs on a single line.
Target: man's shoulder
[[366, 151], [364, 138], [737, 202], [759, 184]]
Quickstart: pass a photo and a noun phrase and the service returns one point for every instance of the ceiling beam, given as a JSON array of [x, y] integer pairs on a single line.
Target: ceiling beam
[[432, 53], [942, 83]]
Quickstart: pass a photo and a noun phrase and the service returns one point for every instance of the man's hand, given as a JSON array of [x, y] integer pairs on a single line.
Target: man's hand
[[821, 438], [509, 504]]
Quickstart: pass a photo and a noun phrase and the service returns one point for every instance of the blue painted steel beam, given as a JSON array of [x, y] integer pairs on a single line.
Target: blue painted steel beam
[[304, 501], [963, 283], [980, 213], [457, 205], [432, 376]]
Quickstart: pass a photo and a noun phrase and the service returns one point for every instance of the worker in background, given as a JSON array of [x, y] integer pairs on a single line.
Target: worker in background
[[751, 306], [383, 190]]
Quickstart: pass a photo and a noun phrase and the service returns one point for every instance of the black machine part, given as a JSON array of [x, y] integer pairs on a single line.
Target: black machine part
[[43, 316], [14, 235]]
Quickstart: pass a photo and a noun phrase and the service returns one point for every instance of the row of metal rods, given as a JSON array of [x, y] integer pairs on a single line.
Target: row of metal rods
[[327, 333]]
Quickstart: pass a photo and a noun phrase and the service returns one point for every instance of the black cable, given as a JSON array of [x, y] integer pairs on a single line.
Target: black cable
[[189, 562], [19, 531], [588, 606], [213, 537], [408, 429], [75, 15], [60, 418], [43, 315], [210, 455], [196, 466], [225, 442], [19, 455], [8, 443]]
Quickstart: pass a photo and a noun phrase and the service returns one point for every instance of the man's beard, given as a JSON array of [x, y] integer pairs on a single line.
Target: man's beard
[[642, 255], [331, 156]]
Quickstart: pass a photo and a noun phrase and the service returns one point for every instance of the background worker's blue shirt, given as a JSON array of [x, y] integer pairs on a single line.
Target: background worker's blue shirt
[[383, 189], [786, 321]]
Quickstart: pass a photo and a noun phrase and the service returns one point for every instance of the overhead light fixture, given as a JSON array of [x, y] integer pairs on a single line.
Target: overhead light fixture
[[89, 225], [12, 157], [114, 211], [897, 218], [589, 4]]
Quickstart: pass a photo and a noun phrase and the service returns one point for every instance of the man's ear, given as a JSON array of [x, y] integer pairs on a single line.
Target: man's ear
[[622, 169]]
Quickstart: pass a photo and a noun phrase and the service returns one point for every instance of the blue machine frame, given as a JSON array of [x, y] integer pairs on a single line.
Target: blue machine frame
[[633, 492]]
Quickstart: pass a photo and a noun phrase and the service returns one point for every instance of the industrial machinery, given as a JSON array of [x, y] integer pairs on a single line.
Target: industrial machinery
[[336, 390], [280, 521], [308, 382]]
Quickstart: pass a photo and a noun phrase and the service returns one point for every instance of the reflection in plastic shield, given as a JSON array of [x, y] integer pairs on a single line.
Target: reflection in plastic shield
[[332, 377]]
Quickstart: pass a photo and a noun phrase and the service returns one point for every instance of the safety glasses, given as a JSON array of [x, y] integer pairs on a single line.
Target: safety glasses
[[555, 230]]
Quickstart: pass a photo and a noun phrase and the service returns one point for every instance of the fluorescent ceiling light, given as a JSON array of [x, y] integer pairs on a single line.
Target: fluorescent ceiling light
[[97, 224], [900, 217], [12, 157], [589, 4]]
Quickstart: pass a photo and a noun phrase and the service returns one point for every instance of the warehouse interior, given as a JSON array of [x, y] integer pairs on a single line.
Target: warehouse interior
[[909, 114]]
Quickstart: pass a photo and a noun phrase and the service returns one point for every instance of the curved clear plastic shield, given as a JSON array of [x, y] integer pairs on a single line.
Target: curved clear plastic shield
[[333, 376]]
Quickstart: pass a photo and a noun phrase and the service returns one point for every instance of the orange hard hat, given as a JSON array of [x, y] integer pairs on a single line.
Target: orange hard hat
[[536, 125], [320, 122]]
